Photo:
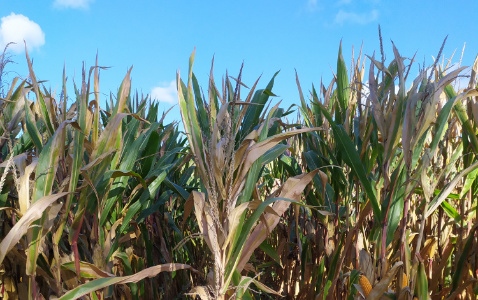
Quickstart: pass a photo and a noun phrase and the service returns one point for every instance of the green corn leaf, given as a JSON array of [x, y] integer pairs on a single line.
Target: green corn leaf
[[333, 268], [43, 109], [32, 128], [203, 117], [470, 178], [457, 275], [78, 152], [422, 282], [441, 123], [451, 212], [135, 207], [462, 115], [271, 252], [343, 91], [148, 154], [44, 178], [253, 112], [396, 206], [352, 159], [448, 189], [177, 189]]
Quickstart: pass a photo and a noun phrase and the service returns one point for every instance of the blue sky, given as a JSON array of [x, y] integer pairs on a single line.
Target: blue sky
[[157, 38]]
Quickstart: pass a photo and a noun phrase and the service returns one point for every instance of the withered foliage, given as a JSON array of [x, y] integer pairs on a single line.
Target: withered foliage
[[371, 194]]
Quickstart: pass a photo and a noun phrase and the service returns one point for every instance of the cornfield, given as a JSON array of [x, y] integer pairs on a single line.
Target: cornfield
[[370, 194]]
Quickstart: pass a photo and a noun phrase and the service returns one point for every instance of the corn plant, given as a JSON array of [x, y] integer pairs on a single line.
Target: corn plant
[[384, 150], [369, 194], [96, 182], [231, 140]]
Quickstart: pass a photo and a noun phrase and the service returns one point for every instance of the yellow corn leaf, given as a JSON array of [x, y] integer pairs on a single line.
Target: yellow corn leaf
[[233, 221], [429, 249], [323, 179], [105, 282], [111, 236], [200, 291], [24, 192], [88, 270], [199, 210], [21, 227]]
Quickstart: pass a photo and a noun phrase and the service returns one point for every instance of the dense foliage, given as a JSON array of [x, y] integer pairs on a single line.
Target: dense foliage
[[370, 194]]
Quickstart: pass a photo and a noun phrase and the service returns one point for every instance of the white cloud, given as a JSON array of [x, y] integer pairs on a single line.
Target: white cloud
[[165, 93], [72, 3], [18, 28], [351, 17]]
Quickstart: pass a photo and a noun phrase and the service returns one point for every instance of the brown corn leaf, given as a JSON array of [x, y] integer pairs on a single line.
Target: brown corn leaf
[[265, 288], [97, 160], [87, 270], [188, 207], [405, 294], [200, 291], [429, 249], [376, 106], [323, 179], [123, 93], [366, 265], [383, 284], [461, 288], [474, 72], [292, 189], [257, 150], [250, 268], [474, 109], [437, 271], [379, 65], [253, 205], [199, 211]]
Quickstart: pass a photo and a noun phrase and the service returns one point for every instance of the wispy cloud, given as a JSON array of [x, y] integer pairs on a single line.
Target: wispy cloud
[[312, 5], [18, 28], [344, 2], [82, 4], [165, 93], [356, 18]]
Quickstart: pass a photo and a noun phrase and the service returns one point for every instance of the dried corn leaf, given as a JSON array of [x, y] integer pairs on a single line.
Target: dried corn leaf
[[383, 284], [107, 281], [366, 265], [21, 227], [292, 189]]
